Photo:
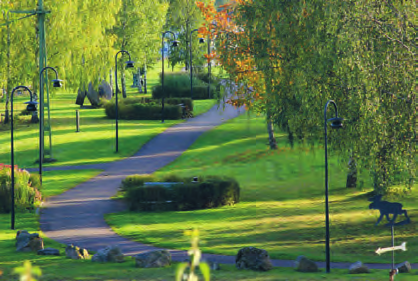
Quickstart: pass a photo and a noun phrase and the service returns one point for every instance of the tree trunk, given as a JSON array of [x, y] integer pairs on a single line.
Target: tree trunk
[[123, 85], [145, 78], [352, 173], [272, 140], [111, 81], [139, 81]]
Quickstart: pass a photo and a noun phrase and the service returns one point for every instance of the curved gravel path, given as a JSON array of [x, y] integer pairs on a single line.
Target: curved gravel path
[[77, 216]]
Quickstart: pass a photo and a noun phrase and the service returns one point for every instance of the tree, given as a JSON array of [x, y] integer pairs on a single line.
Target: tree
[[296, 55]]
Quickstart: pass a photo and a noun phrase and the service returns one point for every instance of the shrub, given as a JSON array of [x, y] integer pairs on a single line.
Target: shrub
[[142, 111], [199, 92], [26, 191], [209, 192], [176, 101]]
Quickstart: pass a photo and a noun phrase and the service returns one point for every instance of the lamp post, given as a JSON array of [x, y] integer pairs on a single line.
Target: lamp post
[[175, 43], [129, 64], [201, 40], [336, 123], [56, 84], [31, 107]]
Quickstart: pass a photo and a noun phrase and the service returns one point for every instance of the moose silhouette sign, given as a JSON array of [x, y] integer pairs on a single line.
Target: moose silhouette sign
[[388, 208]]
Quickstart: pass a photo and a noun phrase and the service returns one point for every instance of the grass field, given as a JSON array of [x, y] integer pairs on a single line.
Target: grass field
[[282, 203], [96, 141], [60, 268]]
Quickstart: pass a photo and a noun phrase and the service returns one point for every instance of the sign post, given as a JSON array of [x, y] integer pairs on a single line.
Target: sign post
[[386, 209]]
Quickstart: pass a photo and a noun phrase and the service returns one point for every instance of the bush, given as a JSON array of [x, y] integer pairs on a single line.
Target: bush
[[26, 189], [209, 192], [199, 92], [142, 111], [176, 101]]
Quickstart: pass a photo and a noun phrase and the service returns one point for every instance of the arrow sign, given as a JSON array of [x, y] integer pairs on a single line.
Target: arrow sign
[[401, 247]]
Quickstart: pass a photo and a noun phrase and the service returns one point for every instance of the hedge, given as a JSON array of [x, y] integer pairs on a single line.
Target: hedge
[[199, 92], [26, 189], [183, 195], [143, 111]]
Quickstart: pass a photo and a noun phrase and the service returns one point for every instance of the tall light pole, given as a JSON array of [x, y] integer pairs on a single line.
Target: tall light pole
[[56, 84], [175, 43], [129, 64], [201, 40], [31, 107], [336, 123]]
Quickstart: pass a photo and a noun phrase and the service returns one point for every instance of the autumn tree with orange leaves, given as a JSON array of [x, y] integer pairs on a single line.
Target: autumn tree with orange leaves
[[290, 57]]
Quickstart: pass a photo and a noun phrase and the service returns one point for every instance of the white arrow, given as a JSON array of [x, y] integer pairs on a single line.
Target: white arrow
[[401, 247]]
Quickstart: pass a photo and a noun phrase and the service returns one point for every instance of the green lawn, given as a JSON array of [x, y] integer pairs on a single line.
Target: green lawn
[[282, 203], [96, 141]]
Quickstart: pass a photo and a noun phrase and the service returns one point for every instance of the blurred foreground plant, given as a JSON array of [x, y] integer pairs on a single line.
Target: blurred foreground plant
[[27, 272], [195, 255]]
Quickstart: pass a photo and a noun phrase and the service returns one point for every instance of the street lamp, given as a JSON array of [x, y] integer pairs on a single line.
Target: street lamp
[[57, 84], [175, 43], [201, 41], [31, 107], [129, 64], [336, 123]]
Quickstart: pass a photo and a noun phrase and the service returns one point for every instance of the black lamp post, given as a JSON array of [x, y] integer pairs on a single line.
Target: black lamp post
[[201, 41], [336, 123], [175, 43], [129, 64], [56, 84], [31, 107]]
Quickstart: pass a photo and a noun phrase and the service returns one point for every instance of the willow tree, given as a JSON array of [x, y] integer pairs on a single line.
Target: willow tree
[[183, 16], [138, 30], [358, 53]]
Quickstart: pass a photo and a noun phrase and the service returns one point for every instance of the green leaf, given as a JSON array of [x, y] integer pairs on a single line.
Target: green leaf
[[181, 268], [205, 269]]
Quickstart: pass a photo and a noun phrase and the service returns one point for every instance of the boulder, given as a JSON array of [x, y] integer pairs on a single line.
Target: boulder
[[49, 252], [303, 264], [253, 258], [153, 259], [358, 268], [76, 253], [81, 96], [27, 242], [105, 90], [93, 96], [109, 254], [404, 267]]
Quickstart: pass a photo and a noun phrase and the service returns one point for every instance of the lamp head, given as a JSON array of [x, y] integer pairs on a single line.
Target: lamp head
[[31, 106], [175, 43], [57, 83], [201, 40], [336, 123], [130, 64]]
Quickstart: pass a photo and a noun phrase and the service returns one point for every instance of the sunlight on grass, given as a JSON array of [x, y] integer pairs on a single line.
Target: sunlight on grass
[[282, 202]]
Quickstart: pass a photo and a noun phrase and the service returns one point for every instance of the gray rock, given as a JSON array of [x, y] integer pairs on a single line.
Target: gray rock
[[109, 254], [93, 96], [49, 252], [358, 268], [153, 259], [81, 96], [303, 264], [253, 258], [105, 90], [404, 267], [214, 265], [27, 242], [76, 253]]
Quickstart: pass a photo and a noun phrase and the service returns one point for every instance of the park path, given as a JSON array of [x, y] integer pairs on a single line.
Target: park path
[[77, 216]]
